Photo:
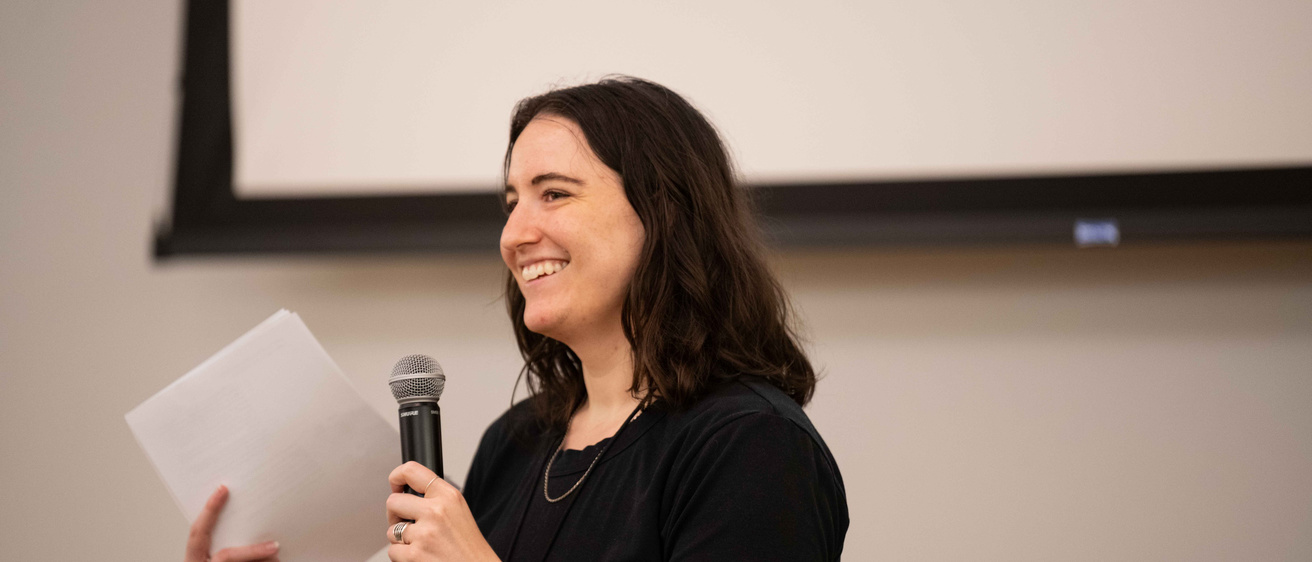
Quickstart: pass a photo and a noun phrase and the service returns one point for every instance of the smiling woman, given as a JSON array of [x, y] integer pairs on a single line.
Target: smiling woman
[[665, 418]]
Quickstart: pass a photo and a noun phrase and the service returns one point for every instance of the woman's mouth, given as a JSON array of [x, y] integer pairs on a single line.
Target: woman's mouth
[[543, 269]]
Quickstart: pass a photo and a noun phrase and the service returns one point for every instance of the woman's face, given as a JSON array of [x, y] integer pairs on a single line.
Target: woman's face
[[572, 239]]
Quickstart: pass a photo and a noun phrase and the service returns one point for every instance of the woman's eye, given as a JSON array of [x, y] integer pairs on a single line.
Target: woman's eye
[[510, 205], [554, 195]]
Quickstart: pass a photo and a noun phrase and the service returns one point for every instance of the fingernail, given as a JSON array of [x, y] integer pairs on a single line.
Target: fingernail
[[271, 546]]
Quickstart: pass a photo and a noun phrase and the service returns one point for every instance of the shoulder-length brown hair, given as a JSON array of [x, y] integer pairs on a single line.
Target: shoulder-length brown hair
[[703, 307]]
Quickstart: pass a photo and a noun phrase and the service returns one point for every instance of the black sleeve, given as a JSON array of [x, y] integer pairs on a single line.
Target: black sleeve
[[492, 488], [475, 484], [757, 488]]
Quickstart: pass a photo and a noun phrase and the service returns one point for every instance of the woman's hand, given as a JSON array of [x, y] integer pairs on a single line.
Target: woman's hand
[[443, 527], [202, 532]]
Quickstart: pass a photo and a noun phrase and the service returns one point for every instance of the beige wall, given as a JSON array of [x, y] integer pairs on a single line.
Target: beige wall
[[985, 404]]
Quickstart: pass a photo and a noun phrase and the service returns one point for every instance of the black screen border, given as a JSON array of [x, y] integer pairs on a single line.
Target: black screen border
[[1186, 205]]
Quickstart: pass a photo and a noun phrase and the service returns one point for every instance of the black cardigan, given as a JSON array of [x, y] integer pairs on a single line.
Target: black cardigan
[[741, 475]]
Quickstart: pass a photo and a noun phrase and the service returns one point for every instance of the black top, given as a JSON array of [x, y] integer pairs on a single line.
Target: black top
[[741, 475]]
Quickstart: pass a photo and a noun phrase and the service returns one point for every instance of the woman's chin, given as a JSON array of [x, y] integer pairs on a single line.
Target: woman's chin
[[543, 324]]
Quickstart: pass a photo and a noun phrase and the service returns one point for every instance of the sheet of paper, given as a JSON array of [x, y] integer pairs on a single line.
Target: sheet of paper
[[272, 417]]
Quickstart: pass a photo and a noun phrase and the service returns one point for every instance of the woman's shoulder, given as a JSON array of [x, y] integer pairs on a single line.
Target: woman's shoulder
[[744, 406], [518, 425], [749, 477], [743, 397]]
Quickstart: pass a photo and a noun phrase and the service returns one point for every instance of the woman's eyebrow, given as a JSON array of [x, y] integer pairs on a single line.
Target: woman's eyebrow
[[549, 176], [553, 176]]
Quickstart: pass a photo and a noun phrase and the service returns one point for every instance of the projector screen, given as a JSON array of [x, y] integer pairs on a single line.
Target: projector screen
[[356, 97], [380, 126]]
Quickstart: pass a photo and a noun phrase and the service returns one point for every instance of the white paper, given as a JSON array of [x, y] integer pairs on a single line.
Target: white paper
[[272, 417]]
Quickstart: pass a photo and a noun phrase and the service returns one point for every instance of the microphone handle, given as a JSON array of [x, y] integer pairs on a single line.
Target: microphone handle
[[421, 436]]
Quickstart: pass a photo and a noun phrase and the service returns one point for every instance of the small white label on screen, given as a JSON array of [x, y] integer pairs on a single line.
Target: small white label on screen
[[1097, 232]]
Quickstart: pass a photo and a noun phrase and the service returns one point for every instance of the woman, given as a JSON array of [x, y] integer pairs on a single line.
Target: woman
[[665, 415]]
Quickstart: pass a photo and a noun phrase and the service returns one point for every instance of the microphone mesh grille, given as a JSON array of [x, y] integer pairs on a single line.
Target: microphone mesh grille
[[417, 376], [416, 364], [427, 387]]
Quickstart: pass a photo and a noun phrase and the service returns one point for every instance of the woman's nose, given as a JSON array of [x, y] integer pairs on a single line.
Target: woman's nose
[[521, 228]]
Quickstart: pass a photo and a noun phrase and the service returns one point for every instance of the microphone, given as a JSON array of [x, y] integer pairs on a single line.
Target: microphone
[[417, 382]]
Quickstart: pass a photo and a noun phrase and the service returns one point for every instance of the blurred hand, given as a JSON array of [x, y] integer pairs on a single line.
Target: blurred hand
[[202, 532], [443, 528]]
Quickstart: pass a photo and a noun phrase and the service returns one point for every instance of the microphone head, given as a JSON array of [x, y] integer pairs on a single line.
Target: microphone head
[[417, 378]]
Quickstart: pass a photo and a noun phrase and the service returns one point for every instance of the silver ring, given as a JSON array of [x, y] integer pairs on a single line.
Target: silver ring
[[398, 532], [429, 485]]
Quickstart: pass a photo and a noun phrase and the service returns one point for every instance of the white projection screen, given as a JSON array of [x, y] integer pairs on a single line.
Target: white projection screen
[[401, 96], [382, 124]]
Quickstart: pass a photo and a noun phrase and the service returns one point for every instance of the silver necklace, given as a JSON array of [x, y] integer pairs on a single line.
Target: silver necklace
[[546, 474]]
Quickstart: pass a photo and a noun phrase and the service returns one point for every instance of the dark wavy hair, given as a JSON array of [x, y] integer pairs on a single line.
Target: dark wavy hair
[[703, 307]]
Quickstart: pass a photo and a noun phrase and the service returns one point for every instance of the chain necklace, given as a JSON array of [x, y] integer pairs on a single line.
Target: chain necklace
[[546, 474]]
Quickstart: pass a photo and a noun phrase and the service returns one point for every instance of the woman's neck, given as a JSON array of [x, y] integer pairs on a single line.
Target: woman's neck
[[607, 377], [607, 372]]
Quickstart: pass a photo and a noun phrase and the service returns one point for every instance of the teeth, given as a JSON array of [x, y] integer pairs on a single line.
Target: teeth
[[543, 268]]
